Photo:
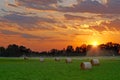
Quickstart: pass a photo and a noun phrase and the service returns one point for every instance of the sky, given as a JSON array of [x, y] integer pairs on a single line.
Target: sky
[[45, 24]]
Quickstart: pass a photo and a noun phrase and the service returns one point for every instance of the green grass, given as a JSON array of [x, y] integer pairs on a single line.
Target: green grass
[[18, 69]]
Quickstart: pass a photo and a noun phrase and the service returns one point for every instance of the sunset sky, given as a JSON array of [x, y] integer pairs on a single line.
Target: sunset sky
[[46, 24]]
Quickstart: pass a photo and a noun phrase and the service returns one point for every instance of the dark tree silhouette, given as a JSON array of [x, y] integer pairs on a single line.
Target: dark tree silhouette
[[25, 51], [2, 51], [83, 49], [13, 50], [69, 50]]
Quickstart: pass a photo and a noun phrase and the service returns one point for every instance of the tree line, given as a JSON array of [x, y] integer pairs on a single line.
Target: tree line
[[108, 49]]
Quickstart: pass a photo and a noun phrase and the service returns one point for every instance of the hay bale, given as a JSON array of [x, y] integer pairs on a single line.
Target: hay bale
[[25, 58], [95, 62], [57, 59], [41, 59], [86, 65], [68, 60]]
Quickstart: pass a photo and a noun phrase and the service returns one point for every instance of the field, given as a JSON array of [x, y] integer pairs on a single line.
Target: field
[[33, 69]]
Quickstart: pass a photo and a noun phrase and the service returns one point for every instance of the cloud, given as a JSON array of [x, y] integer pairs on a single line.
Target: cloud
[[114, 24], [109, 16], [74, 17], [27, 22], [38, 4], [12, 5], [29, 36], [23, 35], [98, 28], [6, 32], [21, 19], [107, 26], [90, 6], [17, 13], [113, 6]]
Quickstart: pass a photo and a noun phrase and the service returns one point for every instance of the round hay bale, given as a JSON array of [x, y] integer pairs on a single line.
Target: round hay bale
[[57, 59], [86, 65], [68, 60], [95, 62], [41, 59], [25, 58]]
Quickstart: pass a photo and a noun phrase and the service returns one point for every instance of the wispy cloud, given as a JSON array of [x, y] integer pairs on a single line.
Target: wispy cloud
[[112, 7], [75, 17], [12, 5], [23, 35], [39, 5], [28, 22], [112, 25]]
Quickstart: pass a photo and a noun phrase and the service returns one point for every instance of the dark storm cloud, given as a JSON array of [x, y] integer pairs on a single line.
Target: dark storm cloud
[[112, 6]]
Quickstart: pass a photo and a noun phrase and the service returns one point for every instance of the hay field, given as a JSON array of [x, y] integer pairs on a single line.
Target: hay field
[[33, 69]]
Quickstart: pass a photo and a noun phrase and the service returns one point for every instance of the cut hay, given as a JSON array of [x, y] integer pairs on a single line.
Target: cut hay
[[41, 59], [95, 62], [57, 59], [68, 60], [86, 65], [25, 58]]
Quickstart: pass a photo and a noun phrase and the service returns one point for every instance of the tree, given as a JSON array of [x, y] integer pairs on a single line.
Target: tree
[[69, 50], [83, 49], [53, 52], [13, 51], [2, 51]]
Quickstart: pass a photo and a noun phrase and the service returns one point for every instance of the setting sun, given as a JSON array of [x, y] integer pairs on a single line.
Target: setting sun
[[95, 43]]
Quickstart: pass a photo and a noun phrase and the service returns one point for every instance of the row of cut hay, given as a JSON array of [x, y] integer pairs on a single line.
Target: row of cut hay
[[83, 65], [67, 60]]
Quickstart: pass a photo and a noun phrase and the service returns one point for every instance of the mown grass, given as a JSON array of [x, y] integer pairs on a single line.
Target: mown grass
[[32, 69]]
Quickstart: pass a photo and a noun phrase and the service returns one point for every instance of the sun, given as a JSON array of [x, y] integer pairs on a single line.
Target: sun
[[95, 43]]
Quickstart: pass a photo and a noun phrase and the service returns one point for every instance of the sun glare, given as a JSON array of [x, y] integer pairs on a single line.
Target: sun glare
[[95, 44]]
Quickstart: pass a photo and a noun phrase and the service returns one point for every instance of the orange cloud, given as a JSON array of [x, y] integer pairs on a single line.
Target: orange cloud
[[67, 25]]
